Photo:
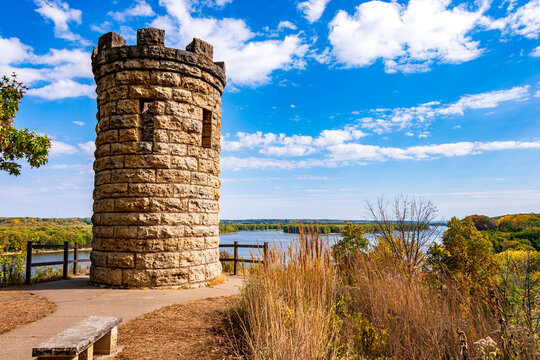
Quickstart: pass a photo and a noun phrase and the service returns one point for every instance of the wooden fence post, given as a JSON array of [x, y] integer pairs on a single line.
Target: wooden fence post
[[28, 262], [235, 261], [76, 259], [66, 259]]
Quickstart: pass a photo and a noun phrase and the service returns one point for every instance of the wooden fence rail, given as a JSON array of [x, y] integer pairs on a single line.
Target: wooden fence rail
[[236, 259], [66, 247], [65, 263]]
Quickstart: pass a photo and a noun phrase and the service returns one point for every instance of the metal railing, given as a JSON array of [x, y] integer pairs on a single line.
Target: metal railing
[[236, 259], [65, 262]]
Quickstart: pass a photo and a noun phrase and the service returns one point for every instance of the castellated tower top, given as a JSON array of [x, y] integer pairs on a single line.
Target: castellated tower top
[[156, 184]]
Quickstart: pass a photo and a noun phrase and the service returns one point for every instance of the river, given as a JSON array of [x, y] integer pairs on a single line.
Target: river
[[243, 238]]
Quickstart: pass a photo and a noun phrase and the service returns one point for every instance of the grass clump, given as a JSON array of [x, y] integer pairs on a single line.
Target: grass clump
[[305, 303]]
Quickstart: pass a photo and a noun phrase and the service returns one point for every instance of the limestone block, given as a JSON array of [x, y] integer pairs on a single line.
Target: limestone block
[[141, 64], [120, 260], [150, 36], [208, 166], [197, 274], [213, 270], [155, 190], [161, 135], [125, 148], [106, 275], [98, 258], [181, 68], [169, 204], [158, 260], [178, 149], [109, 40], [199, 178], [103, 177], [211, 242], [108, 162], [110, 190], [106, 82], [107, 137], [180, 218], [166, 78], [104, 205], [161, 148], [197, 205], [182, 137], [192, 258], [147, 161], [133, 175], [201, 48], [103, 150], [128, 106], [135, 77], [171, 277], [132, 204], [173, 176], [137, 277], [183, 163], [125, 232], [181, 95], [160, 231], [125, 121], [182, 110], [140, 245], [103, 231]]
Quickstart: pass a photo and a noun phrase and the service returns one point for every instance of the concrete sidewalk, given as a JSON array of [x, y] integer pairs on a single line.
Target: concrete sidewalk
[[75, 300]]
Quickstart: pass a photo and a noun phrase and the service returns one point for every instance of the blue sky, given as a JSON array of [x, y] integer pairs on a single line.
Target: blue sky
[[328, 102]]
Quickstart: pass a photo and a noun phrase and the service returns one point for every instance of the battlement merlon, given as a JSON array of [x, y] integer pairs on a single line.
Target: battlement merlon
[[112, 49]]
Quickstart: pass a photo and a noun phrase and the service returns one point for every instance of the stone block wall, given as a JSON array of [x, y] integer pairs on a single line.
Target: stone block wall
[[156, 195]]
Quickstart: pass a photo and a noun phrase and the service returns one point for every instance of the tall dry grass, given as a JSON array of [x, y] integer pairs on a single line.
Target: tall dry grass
[[302, 305]]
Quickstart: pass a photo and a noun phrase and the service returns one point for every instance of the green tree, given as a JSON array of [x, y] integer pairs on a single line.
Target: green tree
[[352, 242], [17, 143], [466, 254]]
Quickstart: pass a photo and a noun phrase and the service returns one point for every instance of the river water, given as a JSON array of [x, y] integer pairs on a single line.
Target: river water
[[279, 238]]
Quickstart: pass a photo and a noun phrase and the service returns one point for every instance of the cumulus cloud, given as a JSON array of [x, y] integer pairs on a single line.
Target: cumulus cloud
[[61, 148], [61, 14], [62, 89], [286, 25], [249, 61], [54, 78], [536, 52], [407, 38], [295, 145], [525, 21], [140, 9], [313, 9], [88, 148]]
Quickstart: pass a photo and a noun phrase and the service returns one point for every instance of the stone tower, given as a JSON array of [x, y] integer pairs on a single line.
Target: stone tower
[[156, 195]]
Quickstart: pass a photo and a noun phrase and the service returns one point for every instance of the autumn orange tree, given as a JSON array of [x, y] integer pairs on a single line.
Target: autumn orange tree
[[16, 143]]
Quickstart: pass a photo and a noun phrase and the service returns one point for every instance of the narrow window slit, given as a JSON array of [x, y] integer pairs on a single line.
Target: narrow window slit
[[147, 113], [207, 129]]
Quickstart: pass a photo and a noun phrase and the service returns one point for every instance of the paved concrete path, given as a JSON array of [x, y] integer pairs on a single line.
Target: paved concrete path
[[75, 300]]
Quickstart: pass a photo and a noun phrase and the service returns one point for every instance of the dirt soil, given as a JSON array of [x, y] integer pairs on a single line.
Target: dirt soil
[[195, 330], [19, 307]]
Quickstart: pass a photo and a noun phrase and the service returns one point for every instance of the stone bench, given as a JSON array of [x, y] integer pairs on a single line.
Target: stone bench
[[95, 334]]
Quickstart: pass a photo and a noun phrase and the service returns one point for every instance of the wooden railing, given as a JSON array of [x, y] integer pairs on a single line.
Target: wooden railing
[[65, 262], [66, 247], [236, 259]]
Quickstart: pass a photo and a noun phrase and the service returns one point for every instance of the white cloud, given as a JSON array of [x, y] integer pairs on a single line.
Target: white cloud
[[352, 151], [387, 120], [223, 2], [88, 148], [60, 14], [55, 71], [249, 62], [536, 52], [103, 28], [61, 148], [525, 21], [141, 8], [295, 145], [80, 123], [487, 100], [313, 9], [408, 38], [62, 89], [286, 25]]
